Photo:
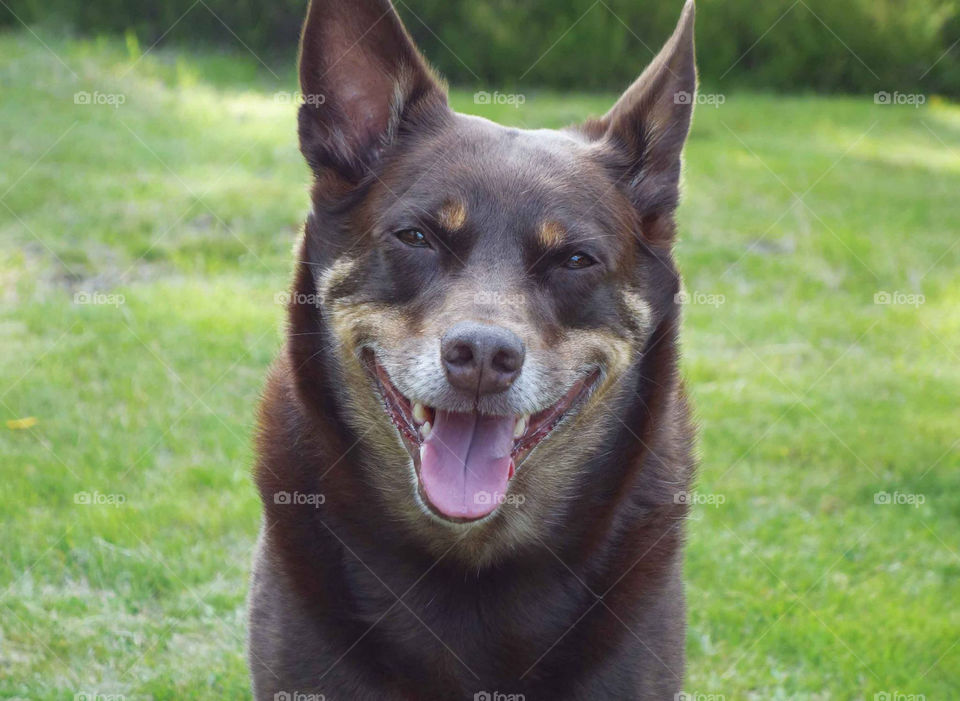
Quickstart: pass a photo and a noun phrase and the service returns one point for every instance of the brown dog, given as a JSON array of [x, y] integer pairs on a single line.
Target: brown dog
[[474, 448]]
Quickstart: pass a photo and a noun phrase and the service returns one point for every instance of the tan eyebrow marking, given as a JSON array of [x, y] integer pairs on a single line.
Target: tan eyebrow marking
[[452, 215], [551, 233]]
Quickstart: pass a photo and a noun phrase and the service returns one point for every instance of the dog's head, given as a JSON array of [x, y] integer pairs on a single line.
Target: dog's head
[[482, 290]]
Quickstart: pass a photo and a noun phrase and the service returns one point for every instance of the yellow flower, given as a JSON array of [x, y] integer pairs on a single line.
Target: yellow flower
[[24, 423]]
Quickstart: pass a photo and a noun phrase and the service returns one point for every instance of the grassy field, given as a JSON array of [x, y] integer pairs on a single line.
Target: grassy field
[[146, 237]]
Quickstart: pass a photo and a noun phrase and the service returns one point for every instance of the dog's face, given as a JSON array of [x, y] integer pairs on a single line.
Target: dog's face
[[486, 288]]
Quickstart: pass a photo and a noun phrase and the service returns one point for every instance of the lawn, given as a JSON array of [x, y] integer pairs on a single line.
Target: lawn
[[146, 240]]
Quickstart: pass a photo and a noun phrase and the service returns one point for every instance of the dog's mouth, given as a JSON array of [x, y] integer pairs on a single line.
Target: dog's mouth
[[465, 460]]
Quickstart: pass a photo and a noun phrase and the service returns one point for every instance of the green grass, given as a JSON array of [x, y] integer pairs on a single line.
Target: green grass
[[186, 199]]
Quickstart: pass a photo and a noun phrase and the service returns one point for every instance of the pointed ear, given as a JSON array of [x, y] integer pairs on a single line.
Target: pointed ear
[[360, 75], [649, 123]]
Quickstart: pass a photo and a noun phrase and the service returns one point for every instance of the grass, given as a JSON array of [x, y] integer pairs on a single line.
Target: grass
[[180, 207]]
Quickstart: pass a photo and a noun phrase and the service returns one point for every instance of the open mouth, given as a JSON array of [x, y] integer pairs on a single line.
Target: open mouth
[[465, 460]]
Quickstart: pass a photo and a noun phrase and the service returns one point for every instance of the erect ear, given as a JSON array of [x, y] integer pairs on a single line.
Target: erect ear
[[649, 123], [360, 75]]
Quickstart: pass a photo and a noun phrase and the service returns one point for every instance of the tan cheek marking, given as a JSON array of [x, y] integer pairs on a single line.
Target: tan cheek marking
[[352, 322], [617, 352], [638, 310], [551, 233], [452, 215], [334, 275]]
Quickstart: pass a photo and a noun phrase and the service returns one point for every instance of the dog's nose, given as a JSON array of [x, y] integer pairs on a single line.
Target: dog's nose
[[481, 358]]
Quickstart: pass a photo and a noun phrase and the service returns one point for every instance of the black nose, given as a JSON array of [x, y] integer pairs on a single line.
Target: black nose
[[481, 358]]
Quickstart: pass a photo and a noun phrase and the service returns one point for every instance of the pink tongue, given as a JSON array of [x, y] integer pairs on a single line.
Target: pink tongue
[[465, 463]]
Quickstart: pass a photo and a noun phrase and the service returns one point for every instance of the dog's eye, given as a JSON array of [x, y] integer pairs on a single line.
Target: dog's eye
[[578, 260], [413, 237]]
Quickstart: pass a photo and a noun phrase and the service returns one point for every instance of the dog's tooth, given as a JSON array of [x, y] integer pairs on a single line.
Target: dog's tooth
[[425, 430], [419, 413], [521, 426]]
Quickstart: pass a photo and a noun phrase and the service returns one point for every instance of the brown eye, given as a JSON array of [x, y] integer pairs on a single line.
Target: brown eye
[[578, 260], [414, 238]]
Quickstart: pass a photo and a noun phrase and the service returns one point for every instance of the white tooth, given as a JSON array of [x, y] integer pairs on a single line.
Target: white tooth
[[419, 413], [425, 430], [521, 426]]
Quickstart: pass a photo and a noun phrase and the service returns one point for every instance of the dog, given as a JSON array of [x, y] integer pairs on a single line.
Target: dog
[[474, 448]]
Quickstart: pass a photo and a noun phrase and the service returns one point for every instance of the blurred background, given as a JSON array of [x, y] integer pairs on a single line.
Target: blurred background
[[823, 45], [151, 192]]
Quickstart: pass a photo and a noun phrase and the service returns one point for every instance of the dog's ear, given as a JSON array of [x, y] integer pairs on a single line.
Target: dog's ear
[[649, 123], [361, 75]]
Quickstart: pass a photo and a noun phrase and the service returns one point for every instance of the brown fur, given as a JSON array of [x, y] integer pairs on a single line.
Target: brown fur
[[577, 593]]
